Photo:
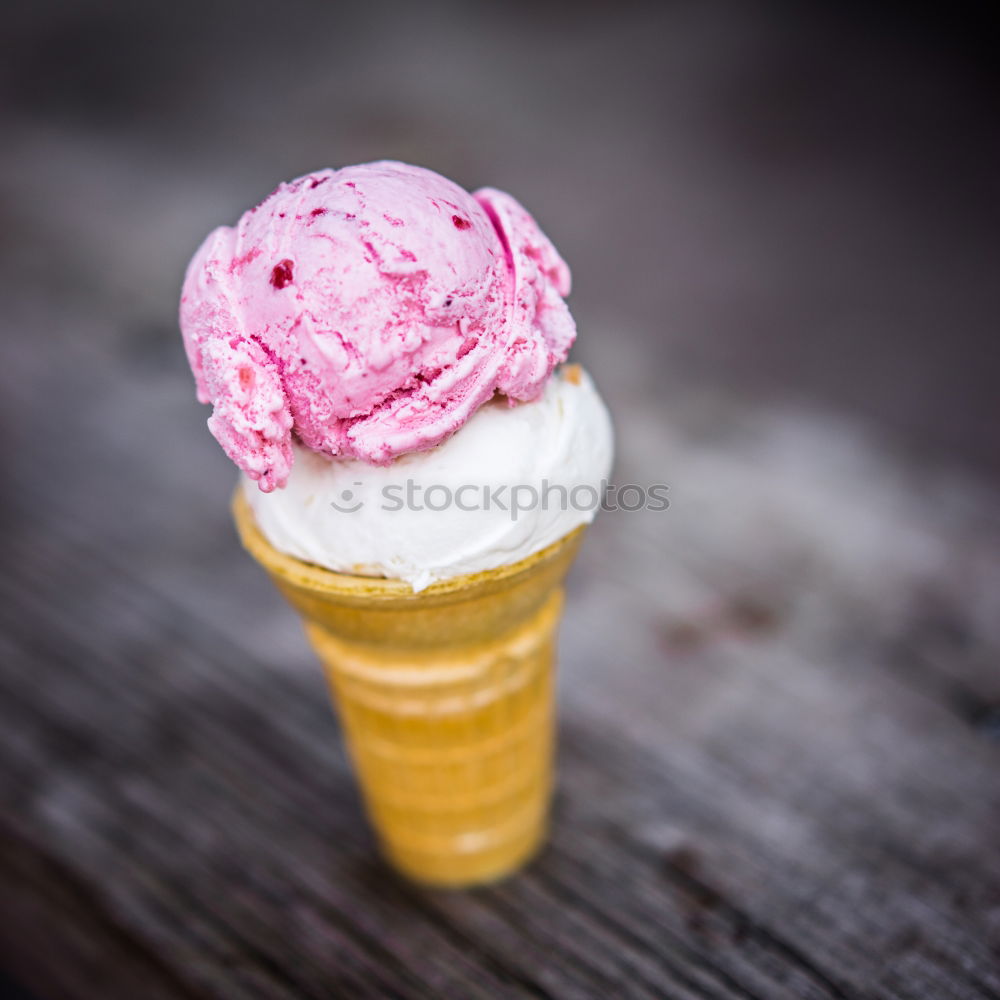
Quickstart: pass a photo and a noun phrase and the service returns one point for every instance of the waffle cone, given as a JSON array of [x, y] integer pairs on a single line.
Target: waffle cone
[[445, 698]]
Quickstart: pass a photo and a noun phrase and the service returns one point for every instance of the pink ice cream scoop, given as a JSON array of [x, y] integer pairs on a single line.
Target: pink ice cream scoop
[[369, 312]]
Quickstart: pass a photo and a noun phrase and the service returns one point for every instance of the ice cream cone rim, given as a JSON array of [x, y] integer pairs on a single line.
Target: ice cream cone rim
[[365, 589]]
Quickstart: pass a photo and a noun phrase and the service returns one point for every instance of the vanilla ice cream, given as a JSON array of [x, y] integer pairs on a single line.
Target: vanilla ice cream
[[512, 481]]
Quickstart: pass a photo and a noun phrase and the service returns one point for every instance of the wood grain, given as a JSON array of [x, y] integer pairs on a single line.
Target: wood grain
[[788, 799], [779, 758]]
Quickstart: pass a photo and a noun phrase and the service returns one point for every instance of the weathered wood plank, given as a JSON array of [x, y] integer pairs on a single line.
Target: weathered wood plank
[[780, 754], [790, 809], [632, 818]]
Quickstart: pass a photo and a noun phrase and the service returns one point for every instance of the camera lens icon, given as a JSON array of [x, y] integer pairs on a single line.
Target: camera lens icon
[[346, 501]]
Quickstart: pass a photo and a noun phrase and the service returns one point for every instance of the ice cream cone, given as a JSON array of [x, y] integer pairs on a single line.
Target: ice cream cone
[[446, 701]]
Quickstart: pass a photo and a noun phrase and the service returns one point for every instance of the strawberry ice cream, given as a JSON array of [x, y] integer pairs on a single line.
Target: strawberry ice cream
[[367, 313]]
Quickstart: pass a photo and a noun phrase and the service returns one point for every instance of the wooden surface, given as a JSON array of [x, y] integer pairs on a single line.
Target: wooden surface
[[779, 761]]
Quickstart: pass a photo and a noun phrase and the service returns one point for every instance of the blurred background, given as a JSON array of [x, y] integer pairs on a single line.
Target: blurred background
[[791, 202], [783, 222]]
